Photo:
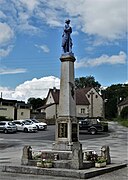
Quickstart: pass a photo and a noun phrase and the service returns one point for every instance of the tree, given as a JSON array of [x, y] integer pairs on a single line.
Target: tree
[[113, 96], [36, 102], [124, 113], [88, 81]]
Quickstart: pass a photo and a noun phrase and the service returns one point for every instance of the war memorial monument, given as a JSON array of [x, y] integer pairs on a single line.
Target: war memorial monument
[[66, 158]]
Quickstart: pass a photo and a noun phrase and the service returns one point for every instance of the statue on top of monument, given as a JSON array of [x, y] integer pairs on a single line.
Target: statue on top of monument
[[66, 38]]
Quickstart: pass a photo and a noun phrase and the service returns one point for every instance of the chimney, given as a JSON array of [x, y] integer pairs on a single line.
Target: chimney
[[54, 89]]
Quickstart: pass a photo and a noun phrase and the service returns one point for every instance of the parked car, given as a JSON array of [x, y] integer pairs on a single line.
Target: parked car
[[25, 126], [7, 127], [40, 125], [91, 125], [104, 124]]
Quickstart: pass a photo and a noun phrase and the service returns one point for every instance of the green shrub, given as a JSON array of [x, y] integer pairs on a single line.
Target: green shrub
[[3, 118], [100, 160], [124, 123], [124, 113]]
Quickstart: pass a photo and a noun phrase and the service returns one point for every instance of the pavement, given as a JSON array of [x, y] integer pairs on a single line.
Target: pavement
[[117, 141]]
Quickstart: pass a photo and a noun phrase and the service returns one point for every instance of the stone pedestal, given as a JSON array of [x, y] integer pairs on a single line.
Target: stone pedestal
[[77, 156], [27, 155], [66, 133], [105, 153], [67, 127]]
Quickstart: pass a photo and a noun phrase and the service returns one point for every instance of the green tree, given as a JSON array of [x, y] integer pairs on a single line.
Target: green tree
[[113, 96], [88, 81], [124, 113], [36, 102]]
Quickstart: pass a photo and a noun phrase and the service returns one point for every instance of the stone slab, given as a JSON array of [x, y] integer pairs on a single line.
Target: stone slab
[[81, 174]]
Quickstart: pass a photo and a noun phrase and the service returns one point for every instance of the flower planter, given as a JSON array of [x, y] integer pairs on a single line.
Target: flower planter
[[99, 165], [44, 164], [39, 164], [48, 164]]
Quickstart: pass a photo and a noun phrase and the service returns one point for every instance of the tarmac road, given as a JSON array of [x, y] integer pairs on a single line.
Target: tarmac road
[[117, 141]]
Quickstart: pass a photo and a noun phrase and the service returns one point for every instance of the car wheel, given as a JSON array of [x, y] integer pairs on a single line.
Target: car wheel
[[5, 131], [25, 130], [93, 131]]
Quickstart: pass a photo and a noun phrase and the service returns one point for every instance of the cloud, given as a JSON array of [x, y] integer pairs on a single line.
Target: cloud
[[37, 88], [5, 51], [43, 47], [6, 37], [6, 34], [104, 59], [6, 92], [75, 33], [12, 71], [103, 18], [31, 4], [2, 15]]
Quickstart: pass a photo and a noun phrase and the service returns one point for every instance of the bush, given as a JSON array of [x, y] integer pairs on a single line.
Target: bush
[[124, 123], [124, 113], [3, 118]]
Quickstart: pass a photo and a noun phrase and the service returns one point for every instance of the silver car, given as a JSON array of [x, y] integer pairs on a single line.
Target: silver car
[[39, 125], [7, 127], [25, 126]]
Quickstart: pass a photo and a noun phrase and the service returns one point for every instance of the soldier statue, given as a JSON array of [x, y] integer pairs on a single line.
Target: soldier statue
[[66, 38]]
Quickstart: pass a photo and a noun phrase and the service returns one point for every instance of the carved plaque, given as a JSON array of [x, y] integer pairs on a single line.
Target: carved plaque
[[62, 130], [74, 133]]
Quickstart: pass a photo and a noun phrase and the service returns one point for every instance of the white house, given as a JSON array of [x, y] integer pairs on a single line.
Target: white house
[[89, 103], [13, 109]]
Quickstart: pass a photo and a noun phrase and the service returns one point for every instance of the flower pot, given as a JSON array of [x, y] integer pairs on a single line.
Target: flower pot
[[39, 164], [48, 164], [98, 165]]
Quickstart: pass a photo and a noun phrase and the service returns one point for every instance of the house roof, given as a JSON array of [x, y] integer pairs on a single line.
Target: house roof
[[81, 98], [13, 103], [55, 93], [45, 106], [124, 102], [7, 100]]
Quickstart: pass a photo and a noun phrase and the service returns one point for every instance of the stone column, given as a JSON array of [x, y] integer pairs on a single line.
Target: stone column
[[67, 127]]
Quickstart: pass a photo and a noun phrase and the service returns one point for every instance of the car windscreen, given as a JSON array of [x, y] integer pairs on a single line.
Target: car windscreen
[[11, 124], [35, 121], [27, 123]]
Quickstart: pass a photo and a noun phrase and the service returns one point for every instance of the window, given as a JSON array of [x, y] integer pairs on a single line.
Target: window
[[2, 123], [5, 109], [88, 96], [22, 113], [96, 96], [82, 111]]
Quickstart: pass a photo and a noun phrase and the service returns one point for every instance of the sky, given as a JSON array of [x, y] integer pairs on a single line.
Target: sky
[[31, 36]]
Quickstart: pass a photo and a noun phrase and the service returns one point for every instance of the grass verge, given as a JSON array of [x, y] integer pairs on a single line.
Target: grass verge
[[123, 122]]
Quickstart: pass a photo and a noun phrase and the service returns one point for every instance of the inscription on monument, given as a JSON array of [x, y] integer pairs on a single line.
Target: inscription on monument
[[62, 130]]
